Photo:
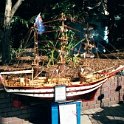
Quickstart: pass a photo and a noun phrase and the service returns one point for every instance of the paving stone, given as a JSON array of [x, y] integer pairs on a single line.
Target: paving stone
[[107, 115]]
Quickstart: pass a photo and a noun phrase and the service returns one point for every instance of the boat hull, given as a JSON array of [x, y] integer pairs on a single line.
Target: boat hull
[[74, 89], [48, 92]]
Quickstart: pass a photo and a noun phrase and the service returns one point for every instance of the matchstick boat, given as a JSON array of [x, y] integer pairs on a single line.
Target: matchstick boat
[[44, 87], [41, 80]]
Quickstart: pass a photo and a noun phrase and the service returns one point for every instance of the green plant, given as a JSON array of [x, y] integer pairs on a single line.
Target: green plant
[[52, 53]]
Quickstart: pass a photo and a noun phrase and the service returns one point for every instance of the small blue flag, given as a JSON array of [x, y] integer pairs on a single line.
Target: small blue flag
[[39, 24]]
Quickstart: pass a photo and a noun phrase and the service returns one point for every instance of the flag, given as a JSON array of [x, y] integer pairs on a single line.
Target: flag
[[39, 24]]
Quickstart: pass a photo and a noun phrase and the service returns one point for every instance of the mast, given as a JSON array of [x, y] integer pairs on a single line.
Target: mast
[[87, 39], [35, 64], [36, 52], [38, 29], [63, 39], [88, 45]]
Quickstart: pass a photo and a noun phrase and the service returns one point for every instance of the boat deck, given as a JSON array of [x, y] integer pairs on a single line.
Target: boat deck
[[106, 115]]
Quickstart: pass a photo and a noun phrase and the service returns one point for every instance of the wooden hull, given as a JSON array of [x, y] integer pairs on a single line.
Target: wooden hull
[[74, 90], [48, 92]]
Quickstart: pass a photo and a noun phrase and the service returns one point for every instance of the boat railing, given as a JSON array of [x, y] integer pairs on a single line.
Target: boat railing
[[18, 72]]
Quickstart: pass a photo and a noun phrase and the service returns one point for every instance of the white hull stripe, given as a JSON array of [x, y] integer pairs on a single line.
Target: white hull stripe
[[51, 95], [70, 94], [76, 88], [85, 87], [83, 92]]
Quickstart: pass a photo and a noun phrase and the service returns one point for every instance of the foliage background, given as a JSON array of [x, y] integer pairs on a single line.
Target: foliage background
[[78, 11]]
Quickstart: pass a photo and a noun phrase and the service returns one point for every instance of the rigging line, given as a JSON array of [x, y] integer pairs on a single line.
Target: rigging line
[[28, 44], [50, 26], [113, 47], [105, 56], [110, 58], [109, 43], [65, 27], [79, 48], [25, 43], [78, 43], [51, 31], [72, 28], [121, 49], [97, 54], [27, 34], [51, 21], [110, 52], [39, 73], [76, 50], [28, 37]]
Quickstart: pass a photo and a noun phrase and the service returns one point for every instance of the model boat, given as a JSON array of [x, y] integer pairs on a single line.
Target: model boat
[[40, 81]]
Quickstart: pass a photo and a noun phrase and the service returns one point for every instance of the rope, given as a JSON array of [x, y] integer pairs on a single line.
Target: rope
[[113, 56], [72, 28], [52, 31], [51, 21], [108, 50], [30, 31]]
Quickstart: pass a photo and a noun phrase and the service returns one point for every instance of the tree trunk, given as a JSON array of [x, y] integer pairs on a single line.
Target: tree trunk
[[7, 32], [6, 45], [9, 13]]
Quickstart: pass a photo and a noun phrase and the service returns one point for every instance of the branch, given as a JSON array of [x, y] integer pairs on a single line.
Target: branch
[[15, 7]]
